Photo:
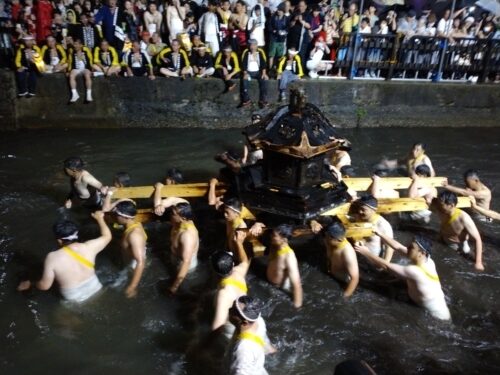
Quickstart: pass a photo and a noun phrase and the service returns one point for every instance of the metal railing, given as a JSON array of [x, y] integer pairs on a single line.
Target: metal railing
[[396, 57]]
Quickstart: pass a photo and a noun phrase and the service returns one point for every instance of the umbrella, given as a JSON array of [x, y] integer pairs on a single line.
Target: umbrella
[[492, 6]]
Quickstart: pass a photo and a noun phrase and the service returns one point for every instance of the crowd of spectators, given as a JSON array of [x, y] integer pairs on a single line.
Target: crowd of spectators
[[228, 39]]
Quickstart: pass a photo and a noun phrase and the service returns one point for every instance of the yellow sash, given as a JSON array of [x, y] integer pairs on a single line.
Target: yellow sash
[[78, 257], [237, 222], [413, 162], [184, 226], [283, 251], [132, 227], [252, 337], [342, 245], [230, 281], [454, 216], [429, 275]]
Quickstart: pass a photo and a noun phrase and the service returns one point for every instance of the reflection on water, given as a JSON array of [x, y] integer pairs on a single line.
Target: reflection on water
[[156, 334]]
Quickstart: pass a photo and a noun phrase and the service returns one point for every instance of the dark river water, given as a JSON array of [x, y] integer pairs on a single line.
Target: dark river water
[[156, 334]]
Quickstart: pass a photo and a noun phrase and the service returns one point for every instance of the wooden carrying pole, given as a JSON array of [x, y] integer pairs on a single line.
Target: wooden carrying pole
[[201, 189]]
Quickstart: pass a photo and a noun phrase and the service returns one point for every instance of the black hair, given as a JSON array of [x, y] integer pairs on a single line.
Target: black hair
[[347, 171], [423, 170], [123, 178], [368, 200], [233, 203], [424, 243], [471, 173], [74, 163], [448, 197], [284, 230], [175, 174], [252, 307], [222, 262], [184, 210], [335, 230], [381, 172], [64, 228], [126, 207]]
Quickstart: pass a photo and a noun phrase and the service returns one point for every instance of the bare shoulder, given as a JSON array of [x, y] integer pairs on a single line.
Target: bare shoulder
[[384, 226]]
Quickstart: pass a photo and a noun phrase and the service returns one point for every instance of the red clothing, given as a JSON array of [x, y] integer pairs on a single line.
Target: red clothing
[[43, 12], [15, 10]]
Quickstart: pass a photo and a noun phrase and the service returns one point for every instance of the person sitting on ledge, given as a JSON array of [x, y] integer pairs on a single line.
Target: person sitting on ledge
[[227, 67], [289, 70], [26, 73], [253, 66], [202, 62], [80, 63], [106, 60], [54, 56], [137, 62], [174, 61], [72, 266]]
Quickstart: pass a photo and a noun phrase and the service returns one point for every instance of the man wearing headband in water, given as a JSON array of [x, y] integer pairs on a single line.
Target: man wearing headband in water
[[133, 242], [421, 277], [282, 265], [365, 211], [232, 284], [232, 213], [341, 258], [84, 186], [457, 226], [72, 266], [250, 344], [184, 239]]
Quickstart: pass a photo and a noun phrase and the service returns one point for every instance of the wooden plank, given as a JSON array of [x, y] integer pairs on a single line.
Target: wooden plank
[[363, 183], [386, 206], [178, 190]]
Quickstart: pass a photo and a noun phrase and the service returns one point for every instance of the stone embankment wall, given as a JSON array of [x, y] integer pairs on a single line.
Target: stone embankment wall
[[139, 102]]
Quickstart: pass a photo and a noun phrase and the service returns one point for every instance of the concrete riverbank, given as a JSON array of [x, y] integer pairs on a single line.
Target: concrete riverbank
[[139, 102]]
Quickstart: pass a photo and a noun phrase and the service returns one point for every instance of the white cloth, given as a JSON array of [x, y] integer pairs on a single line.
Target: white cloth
[[177, 261], [437, 308], [82, 291]]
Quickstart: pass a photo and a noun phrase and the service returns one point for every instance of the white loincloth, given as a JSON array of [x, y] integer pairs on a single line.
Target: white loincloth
[[437, 308], [82, 291]]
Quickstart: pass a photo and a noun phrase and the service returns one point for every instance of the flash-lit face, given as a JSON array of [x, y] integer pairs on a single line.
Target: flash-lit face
[[277, 239], [364, 213], [417, 151], [471, 183], [230, 214], [69, 172], [332, 241], [415, 252], [175, 218], [446, 209], [175, 46]]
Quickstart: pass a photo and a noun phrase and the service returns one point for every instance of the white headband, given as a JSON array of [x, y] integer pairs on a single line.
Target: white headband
[[119, 213], [243, 314], [71, 237], [234, 209]]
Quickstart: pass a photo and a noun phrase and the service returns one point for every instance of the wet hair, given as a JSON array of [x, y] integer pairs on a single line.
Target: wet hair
[[184, 210], [471, 173], [284, 230], [335, 230], [423, 170], [65, 228], [424, 243], [233, 203], [368, 200], [126, 208], [347, 171], [123, 178], [448, 197], [222, 263], [175, 174], [74, 163], [251, 310]]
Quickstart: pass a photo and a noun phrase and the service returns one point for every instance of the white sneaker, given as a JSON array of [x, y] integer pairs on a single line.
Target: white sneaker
[[74, 98], [98, 74], [88, 97], [313, 74]]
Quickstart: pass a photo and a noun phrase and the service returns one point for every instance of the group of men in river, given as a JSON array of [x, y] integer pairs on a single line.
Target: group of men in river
[[236, 314]]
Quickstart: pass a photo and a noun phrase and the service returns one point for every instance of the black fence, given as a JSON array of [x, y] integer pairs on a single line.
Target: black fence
[[419, 57]]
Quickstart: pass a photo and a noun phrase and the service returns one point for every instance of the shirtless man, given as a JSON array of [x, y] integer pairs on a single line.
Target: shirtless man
[[419, 189], [133, 243], [84, 186], [488, 213], [232, 284], [121, 179], [282, 266], [424, 287], [366, 212], [416, 157], [474, 187], [341, 258], [457, 226], [232, 213], [250, 343], [72, 266], [184, 239]]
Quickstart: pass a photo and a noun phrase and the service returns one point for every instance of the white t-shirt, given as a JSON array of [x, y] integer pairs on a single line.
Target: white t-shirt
[[444, 27]]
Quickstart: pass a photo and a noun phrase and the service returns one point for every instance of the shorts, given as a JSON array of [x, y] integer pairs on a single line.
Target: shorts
[[277, 49], [459, 246], [83, 291]]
